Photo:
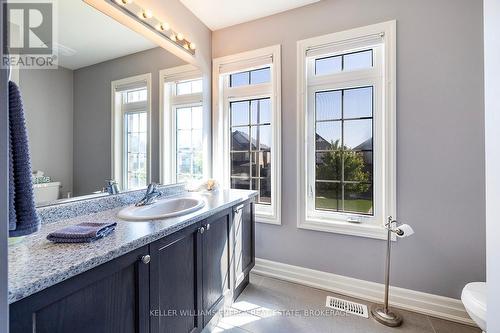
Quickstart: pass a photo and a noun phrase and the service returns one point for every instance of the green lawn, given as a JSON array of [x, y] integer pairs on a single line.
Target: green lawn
[[360, 205]]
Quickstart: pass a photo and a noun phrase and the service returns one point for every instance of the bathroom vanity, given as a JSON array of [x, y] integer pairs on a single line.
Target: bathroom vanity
[[170, 275]]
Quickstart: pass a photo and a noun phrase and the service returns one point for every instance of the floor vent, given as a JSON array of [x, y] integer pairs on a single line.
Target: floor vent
[[347, 306]]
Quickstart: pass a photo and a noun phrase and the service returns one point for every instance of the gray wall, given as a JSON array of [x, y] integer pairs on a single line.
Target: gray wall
[[48, 105], [92, 114], [440, 161], [492, 117]]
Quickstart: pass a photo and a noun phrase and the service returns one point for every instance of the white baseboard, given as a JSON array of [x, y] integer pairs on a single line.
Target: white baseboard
[[429, 304]]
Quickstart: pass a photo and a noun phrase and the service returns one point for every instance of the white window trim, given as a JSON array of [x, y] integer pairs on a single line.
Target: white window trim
[[169, 101], [385, 192], [221, 137], [117, 160]]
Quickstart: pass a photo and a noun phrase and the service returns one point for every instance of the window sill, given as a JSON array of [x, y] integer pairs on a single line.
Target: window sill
[[268, 219], [346, 228]]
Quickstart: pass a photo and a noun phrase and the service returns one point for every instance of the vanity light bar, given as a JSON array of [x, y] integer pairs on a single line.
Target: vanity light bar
[[146, 17]]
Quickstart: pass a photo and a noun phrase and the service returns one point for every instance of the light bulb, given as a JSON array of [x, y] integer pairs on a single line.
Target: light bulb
[[173, 37], [192, 46], [180, 36], [124, 2], [146, 14], [163, 26]]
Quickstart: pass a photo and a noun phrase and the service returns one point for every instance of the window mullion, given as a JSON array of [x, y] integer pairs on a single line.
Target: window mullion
[[342, 78], [187, 99], [250, 156], [342, 148], [249, 92]]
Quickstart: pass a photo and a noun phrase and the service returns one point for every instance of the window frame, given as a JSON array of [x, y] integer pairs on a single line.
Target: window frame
[[382, 77], [222, 97], [118, 112], [169, 102]]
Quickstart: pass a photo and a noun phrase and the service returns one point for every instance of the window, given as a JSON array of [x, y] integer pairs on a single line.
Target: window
[[346, 140], [256, 76], [189, 139], [344, 150], [131, 131], [188, 87], [184, 126], [247, 139], [138, 95], [251, 141], [136, 144], [344, 62]]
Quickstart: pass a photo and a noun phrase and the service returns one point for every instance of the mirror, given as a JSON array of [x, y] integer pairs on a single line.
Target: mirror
[[96, 118]]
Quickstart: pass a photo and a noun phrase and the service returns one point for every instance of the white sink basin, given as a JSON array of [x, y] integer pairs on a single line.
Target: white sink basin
[[161, 209]]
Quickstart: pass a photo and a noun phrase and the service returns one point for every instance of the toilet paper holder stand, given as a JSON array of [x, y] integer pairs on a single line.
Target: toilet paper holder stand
[[382, 313]]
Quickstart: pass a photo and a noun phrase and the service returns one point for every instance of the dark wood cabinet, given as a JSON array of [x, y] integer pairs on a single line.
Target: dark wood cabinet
[[215, 258], [175, 287], [243, 249], [190, 276], [107, 299]]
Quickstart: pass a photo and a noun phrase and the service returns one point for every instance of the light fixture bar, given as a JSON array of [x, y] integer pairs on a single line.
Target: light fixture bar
[[146, 17]]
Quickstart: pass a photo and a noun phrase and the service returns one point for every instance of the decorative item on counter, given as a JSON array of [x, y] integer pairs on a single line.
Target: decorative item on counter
[[208, 185], [212, 185], [85, 232]]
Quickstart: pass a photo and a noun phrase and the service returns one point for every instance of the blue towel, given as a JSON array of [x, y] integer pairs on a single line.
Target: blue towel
[[82, 233], [23, 218]]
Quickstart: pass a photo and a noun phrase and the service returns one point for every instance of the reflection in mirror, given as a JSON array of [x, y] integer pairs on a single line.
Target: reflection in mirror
[[92, 122], [183, 126]]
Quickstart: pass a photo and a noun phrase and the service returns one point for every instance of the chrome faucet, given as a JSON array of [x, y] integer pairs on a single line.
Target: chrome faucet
[[150, 197], [111, 187]]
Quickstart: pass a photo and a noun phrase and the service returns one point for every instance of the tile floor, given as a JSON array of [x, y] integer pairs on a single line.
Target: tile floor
[[255, 312]]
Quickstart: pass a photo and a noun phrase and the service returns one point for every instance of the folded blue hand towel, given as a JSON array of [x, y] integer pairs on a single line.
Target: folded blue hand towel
[[85, 232]]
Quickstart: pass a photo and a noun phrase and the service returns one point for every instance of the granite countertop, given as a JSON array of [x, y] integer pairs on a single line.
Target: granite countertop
[[36, 263]]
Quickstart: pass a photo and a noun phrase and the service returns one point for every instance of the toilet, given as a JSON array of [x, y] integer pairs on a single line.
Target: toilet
[[474, 299], [46, 192]]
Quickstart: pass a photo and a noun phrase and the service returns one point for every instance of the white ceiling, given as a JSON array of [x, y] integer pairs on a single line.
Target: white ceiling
[[87, 37], [218, 14]]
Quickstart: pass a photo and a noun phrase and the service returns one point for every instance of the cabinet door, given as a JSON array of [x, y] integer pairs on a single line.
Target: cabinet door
[[176, 283], [110, 298], [215, 249], [244, 245]]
